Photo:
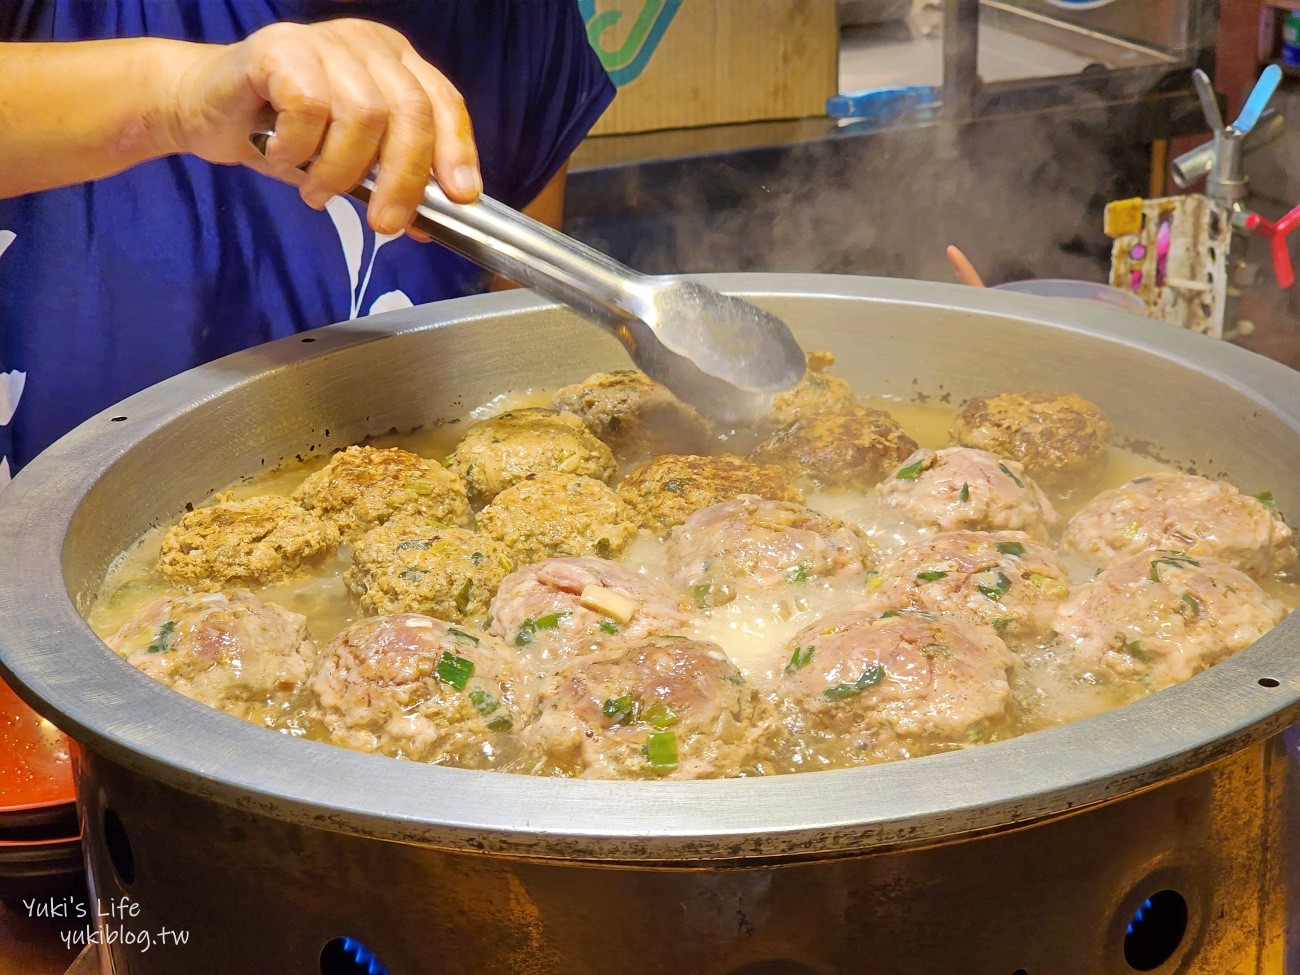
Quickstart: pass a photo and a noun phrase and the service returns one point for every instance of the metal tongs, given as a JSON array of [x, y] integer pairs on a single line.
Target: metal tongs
[[722, 355]]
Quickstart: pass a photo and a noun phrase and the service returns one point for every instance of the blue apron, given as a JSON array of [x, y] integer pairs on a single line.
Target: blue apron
[[111, 286]]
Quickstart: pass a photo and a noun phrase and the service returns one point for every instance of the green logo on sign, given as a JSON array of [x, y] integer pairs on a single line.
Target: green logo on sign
[[626, 63]]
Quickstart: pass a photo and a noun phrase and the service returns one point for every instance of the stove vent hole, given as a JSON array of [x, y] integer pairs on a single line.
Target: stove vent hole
[[118, 845], [348, 956], [1156, 931], [1269, 682]]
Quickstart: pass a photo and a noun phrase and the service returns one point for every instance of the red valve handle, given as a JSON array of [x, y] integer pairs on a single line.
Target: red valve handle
[[1277, 234]]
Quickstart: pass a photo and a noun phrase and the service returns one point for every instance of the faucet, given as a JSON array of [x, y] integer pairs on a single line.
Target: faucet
[[1220, 162]]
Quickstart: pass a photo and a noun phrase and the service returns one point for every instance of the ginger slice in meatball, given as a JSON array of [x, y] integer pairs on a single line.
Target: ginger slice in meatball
[[1193, 514], [506, 449], [661, 708], [667, 490], [408, 566], [1057, 436], [562, 608], [1162, 616], [854, 447], [636, 416], [363, 487], [963, 488], [553, 514]]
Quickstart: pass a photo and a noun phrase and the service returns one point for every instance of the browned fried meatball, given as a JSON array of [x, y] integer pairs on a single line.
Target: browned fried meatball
[[244, 543], [409, 686], [662, 708], [636, 416], [1184, 512], [1006, 580], [874, 687], [960, 487], [502, 451], [558, 514], [558, 609], [1162, 616], [362, 487], [753, 543], [855, 447], [227, 650], [1057, 436], [817, 392], [408, 566], [665, 491]]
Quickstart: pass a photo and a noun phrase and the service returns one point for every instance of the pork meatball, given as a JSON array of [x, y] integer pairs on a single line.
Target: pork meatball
[[962, 488], [558, 514], [1162, 616], [244, 543], [667, 490], [559, 609], [1058, 437], [754, 543], [502, 451], [854, 447], [407, 566], [362, 487], [1185, 512], [881, 687], [636, 416], [1005, 580], [227, 650], [410, 686], [661, 708], [817, 392]]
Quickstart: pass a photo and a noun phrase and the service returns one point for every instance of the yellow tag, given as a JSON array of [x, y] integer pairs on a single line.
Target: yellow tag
[[1123, 217]]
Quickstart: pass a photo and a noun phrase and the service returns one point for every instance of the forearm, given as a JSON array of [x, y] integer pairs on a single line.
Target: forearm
[[81, 111]]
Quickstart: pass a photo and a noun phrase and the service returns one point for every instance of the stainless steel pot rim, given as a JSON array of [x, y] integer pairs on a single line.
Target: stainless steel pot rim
[[110, 707]]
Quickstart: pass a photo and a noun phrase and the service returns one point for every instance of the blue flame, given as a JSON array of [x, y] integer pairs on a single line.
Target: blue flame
[[1138, 917], [363, 958]]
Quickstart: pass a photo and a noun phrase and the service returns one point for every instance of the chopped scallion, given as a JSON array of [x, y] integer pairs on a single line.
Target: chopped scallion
[[609, 626], [700, 594], [1007, 471], [797, 573], [454, 670], [483, 702], [462, 634], [799, 659], [911, 472], [164, 638], [870, 677], [621, 710], [965, 491], [1010, 548], [659, 715], [931, 575], [1001, 586], [661, 751]]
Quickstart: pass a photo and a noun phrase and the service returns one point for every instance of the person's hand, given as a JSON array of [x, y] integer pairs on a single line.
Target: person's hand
[[349, 92]]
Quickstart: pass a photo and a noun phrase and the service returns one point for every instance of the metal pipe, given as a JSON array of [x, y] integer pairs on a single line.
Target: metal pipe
[[961, 80]]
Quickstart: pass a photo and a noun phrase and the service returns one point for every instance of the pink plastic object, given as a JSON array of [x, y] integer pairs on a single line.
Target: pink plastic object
[[1277, 234]]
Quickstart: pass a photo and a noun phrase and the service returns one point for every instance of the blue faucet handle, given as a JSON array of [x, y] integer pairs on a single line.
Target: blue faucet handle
[[1259, 98]]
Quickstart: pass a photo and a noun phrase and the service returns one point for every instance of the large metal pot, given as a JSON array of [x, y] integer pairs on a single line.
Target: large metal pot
[[1028, 855]]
